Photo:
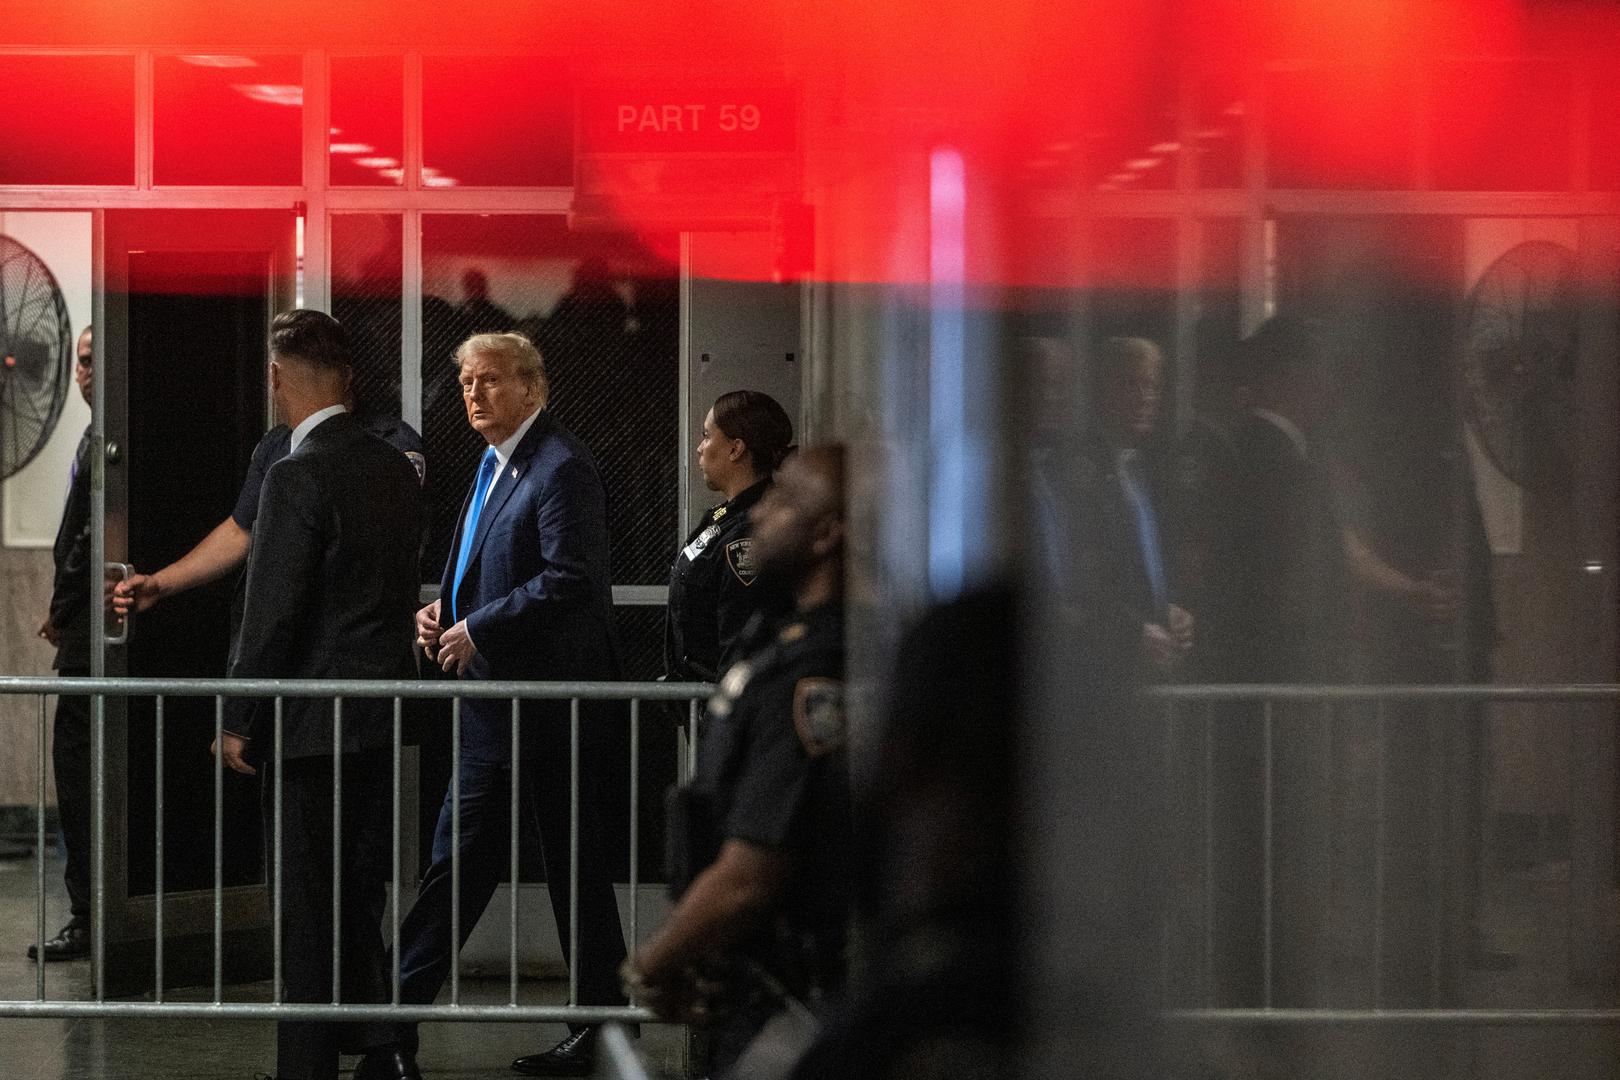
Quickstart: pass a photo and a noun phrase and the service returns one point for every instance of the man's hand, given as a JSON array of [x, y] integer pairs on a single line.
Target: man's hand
[[50, 633], [1440, 597], [231, 747], [1163, 650], [1180, 625], [456, 648], [684, 997], [140, 592], [428, 630]]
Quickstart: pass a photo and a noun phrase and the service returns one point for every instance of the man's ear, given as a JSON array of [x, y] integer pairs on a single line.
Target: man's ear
[[275, 375]]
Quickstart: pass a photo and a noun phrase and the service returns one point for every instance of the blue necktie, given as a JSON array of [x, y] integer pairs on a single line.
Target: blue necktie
[[1147, 531], [486, 472]]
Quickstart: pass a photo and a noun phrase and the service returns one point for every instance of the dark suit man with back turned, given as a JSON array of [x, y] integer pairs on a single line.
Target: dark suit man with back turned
[[331, 586], [525, 595]]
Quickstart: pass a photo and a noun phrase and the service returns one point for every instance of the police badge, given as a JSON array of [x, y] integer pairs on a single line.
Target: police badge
[[818, 715]]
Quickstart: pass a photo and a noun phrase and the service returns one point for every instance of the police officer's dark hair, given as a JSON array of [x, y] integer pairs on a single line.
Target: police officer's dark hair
[[761, 424], [311, 336]]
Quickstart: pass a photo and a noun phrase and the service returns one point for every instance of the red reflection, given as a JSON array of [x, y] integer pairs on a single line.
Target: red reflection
[[67, 119], [226, 118], [835, 109]]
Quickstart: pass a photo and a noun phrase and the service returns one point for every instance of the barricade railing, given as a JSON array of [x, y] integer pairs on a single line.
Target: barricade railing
[[1272, 707], [160, 691]]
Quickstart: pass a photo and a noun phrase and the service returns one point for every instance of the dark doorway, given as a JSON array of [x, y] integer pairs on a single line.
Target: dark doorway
[[196, 409], [196, 291]]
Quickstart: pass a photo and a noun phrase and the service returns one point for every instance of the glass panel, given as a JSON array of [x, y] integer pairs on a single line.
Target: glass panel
[[67, 120], [367, 138], [1218, 129], [498, 121], [604, 310], [1340, 126], [1511, 131], [223, 119], [367, 256], [1133, 147], [1605, 129]]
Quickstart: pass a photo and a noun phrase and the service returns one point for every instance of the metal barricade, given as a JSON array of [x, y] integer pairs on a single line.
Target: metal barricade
[[1195, 714], [162, 690]]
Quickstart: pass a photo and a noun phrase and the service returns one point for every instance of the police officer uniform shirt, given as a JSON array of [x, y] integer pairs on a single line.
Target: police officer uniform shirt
[[772, 764], [711, 591]]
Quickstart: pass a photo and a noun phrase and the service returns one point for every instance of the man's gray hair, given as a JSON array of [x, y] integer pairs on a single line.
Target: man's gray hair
[[525, 358]]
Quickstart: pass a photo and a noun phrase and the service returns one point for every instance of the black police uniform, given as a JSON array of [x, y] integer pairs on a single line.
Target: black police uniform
[[772, 772], [711, 592]]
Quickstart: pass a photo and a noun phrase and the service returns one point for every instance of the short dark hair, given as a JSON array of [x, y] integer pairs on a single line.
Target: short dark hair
[[1283, 350], [311, 336], [761, 423]]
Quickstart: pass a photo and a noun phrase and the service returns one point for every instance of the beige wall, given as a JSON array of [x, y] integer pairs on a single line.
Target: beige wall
[[25, 595]]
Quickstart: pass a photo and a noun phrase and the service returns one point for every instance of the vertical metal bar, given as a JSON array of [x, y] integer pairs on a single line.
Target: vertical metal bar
[[393, 951], [410, 354], [635, 821], [219, 849], [275, 867], [157, 850], [39, 855], [1266, 912], [337, 850], [98, 834], [1168, 919], [573, 852], [513, 830], [1380, 827], [692, 737], [1209, 855], [145, 123], [455, 851]]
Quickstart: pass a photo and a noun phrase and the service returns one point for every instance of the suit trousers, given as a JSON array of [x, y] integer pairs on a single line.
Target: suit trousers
[[543, 810], [308, 1050], [70, 755]]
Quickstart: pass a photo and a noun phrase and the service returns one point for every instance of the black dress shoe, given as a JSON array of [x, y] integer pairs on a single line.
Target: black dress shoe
[[389, 1063], [72, 942], [574, 1056]]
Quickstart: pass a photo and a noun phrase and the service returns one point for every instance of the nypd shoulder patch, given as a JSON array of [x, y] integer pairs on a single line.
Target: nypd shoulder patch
[[818, 715], [740, 557]]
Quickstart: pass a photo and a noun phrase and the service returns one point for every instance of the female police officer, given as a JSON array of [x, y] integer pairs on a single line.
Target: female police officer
[[711, 596]]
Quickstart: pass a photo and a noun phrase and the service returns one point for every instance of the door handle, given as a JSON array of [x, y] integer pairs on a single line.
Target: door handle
[[123, 571]]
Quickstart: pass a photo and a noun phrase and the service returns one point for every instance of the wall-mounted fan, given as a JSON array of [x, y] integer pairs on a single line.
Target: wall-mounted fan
[[36, 355], [1519, 363]]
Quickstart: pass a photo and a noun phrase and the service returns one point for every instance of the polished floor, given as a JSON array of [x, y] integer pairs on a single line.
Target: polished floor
[[219, 1050]]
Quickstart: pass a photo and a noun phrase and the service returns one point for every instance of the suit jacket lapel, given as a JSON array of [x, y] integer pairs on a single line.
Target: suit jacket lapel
[[505, 485]]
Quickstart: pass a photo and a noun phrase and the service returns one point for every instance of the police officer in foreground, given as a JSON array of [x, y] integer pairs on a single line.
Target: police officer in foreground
[[712, 595], [760, 841]]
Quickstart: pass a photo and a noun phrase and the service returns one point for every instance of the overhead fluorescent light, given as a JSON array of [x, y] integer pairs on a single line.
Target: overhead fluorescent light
[[272, 93], [219, 61], [351, 148]]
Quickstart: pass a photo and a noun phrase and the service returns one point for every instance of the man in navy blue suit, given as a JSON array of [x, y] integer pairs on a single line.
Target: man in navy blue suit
[[525, 595]]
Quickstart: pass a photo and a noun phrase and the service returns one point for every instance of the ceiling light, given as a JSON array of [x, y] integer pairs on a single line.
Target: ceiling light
[[1141, 163], [219, 61], [272, 93], [1165, 147], [391, 174], [351, 148], [378, 162], [439, 181]]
